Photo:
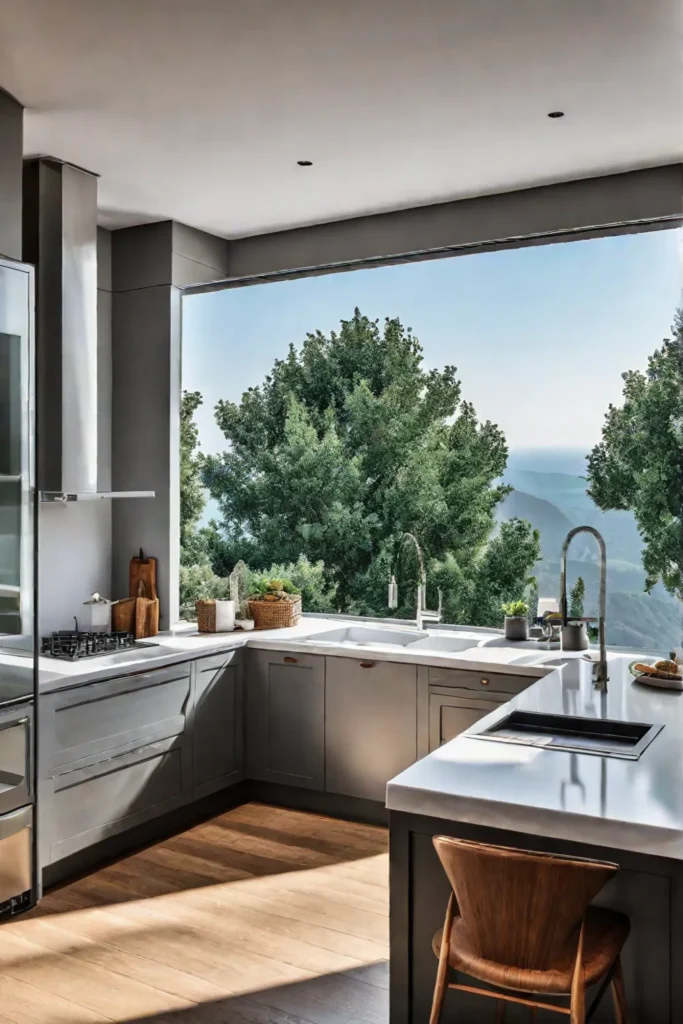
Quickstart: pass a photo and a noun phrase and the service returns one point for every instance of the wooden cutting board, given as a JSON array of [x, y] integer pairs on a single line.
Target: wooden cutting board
[[142, 570], [139, 612]]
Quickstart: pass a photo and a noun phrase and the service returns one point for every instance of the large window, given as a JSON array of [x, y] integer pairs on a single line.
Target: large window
[[466, 400]]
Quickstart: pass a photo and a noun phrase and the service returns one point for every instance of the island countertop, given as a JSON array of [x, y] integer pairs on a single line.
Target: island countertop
[[627, 805]]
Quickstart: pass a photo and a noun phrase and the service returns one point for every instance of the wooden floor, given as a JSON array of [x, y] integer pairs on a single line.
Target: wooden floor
[[259, 916]]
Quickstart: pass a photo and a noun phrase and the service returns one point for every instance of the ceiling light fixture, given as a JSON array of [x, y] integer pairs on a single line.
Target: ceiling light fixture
[[305, 163], [556, 113]]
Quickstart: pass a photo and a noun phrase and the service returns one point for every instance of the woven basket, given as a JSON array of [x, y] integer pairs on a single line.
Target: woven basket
[[275, 614], [206, 616]]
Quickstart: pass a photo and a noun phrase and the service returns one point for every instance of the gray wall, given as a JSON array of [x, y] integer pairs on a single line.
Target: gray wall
[[572, 206], [150, 265], [11, 170], [75, 540]]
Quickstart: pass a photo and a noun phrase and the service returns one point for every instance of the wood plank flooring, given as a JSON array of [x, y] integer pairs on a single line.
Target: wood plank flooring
[[259, 916]]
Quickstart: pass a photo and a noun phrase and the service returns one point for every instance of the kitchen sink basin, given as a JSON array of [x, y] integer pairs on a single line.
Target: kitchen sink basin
[[602, 736], [366, 636], [444, 643]]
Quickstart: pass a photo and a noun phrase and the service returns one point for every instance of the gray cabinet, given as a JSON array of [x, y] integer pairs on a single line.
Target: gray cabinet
[[371, 725], [450, 714], [286, 718], [112, 755], [217, 724]]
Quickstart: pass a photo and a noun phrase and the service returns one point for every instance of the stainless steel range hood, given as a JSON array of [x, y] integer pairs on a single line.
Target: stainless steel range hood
[[60, 238]]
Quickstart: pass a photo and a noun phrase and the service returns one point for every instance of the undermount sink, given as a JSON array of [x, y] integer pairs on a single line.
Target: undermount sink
[[365, 636], [603, 736], [444, 643]]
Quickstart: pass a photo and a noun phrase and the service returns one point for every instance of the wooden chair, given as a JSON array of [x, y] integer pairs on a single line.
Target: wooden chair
[[525, 926]]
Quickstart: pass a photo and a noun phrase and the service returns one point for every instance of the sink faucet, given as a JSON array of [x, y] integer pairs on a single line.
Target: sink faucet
[[600, 676], [422, 614]]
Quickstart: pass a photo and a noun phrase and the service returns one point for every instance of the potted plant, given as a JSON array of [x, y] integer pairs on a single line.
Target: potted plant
[[273, 603], [516, 620]]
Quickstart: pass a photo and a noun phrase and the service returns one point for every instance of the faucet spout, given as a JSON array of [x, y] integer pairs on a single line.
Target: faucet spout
[[601, 675], [422, 615]]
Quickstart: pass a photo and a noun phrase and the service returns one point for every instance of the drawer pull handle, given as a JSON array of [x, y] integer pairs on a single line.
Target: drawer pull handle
[[290, 661], [484, 682], [367, 664]]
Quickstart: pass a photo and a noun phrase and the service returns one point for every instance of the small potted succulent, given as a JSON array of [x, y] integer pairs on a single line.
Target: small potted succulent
[[516, 620]]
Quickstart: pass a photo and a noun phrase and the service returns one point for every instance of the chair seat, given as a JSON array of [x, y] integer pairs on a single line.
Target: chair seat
[[604, 936]]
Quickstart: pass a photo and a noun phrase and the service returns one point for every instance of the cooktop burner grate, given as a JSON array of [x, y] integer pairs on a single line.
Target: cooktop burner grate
[[73, 645]]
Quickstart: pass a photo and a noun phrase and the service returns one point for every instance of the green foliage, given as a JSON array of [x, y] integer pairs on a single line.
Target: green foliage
[[577, 597], [515, 609], [192, 500], [638, 464], [271, 587], [348, 443], [200, 583]]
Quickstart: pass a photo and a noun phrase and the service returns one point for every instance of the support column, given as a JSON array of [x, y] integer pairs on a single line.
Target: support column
[[151, 265], [11, 170]]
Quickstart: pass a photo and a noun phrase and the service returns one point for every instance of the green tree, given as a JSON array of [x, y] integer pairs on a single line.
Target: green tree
[[192, 498], [348, 443], [577, 596], [638, 464]]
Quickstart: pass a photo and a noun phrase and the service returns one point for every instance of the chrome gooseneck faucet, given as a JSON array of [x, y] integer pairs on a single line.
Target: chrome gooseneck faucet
[[422, 615], [600, 676]]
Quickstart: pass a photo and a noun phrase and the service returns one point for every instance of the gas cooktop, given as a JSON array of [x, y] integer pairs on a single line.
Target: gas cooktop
[[73, 645]]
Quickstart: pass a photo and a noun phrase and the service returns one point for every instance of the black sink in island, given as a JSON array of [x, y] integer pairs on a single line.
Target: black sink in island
[[554, 799]]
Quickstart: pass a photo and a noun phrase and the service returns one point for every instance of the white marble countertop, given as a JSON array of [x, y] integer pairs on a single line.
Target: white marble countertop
[[627, 805]]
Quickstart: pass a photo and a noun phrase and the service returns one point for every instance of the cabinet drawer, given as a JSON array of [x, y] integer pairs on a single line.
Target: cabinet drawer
[[466, 679], [451, 716], [99, 717], [93, 802]]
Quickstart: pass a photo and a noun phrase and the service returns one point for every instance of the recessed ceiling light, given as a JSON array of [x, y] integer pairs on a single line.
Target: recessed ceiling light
[[305, 163], [556, 113]]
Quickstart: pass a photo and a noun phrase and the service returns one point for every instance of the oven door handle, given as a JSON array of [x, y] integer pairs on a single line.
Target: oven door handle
[[15, 821]]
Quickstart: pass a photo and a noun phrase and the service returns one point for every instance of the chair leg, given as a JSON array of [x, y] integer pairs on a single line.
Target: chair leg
[[532, 1015], [441, 983], [618, 994], [577, 1006], [500, 1012]]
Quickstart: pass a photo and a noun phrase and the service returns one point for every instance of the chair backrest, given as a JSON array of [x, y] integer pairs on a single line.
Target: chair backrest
[[519, 907]]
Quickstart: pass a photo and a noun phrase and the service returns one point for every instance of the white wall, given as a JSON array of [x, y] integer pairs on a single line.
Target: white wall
[[74, 559]]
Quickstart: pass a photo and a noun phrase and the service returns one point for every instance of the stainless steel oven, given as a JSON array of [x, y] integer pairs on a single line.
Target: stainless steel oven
[[16, 809]]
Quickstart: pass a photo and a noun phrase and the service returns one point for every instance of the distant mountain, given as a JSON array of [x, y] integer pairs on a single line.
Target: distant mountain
[[560, 488], [543, 515], [553, 499]]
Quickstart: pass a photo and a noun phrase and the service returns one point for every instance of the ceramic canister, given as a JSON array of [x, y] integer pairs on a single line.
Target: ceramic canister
[[225, 616]]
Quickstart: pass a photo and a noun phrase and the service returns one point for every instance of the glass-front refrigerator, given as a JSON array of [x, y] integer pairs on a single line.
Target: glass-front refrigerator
[[18, 658]]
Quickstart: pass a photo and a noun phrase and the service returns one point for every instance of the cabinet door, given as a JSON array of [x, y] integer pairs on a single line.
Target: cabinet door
[[286, 718], [449, 716], [371, 725], [217, 722]]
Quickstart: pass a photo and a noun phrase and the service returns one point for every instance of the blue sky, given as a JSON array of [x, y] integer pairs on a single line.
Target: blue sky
[[540, 335]]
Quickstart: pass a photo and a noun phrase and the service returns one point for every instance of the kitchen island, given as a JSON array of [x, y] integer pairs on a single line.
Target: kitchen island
[[532, 797]]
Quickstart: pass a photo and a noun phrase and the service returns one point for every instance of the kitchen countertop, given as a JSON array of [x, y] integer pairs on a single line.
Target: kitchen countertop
[[185, 644], [631, 805], [627, 805]]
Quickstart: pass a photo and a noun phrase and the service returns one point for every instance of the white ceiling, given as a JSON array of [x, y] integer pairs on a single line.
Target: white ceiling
[[199, 110]]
